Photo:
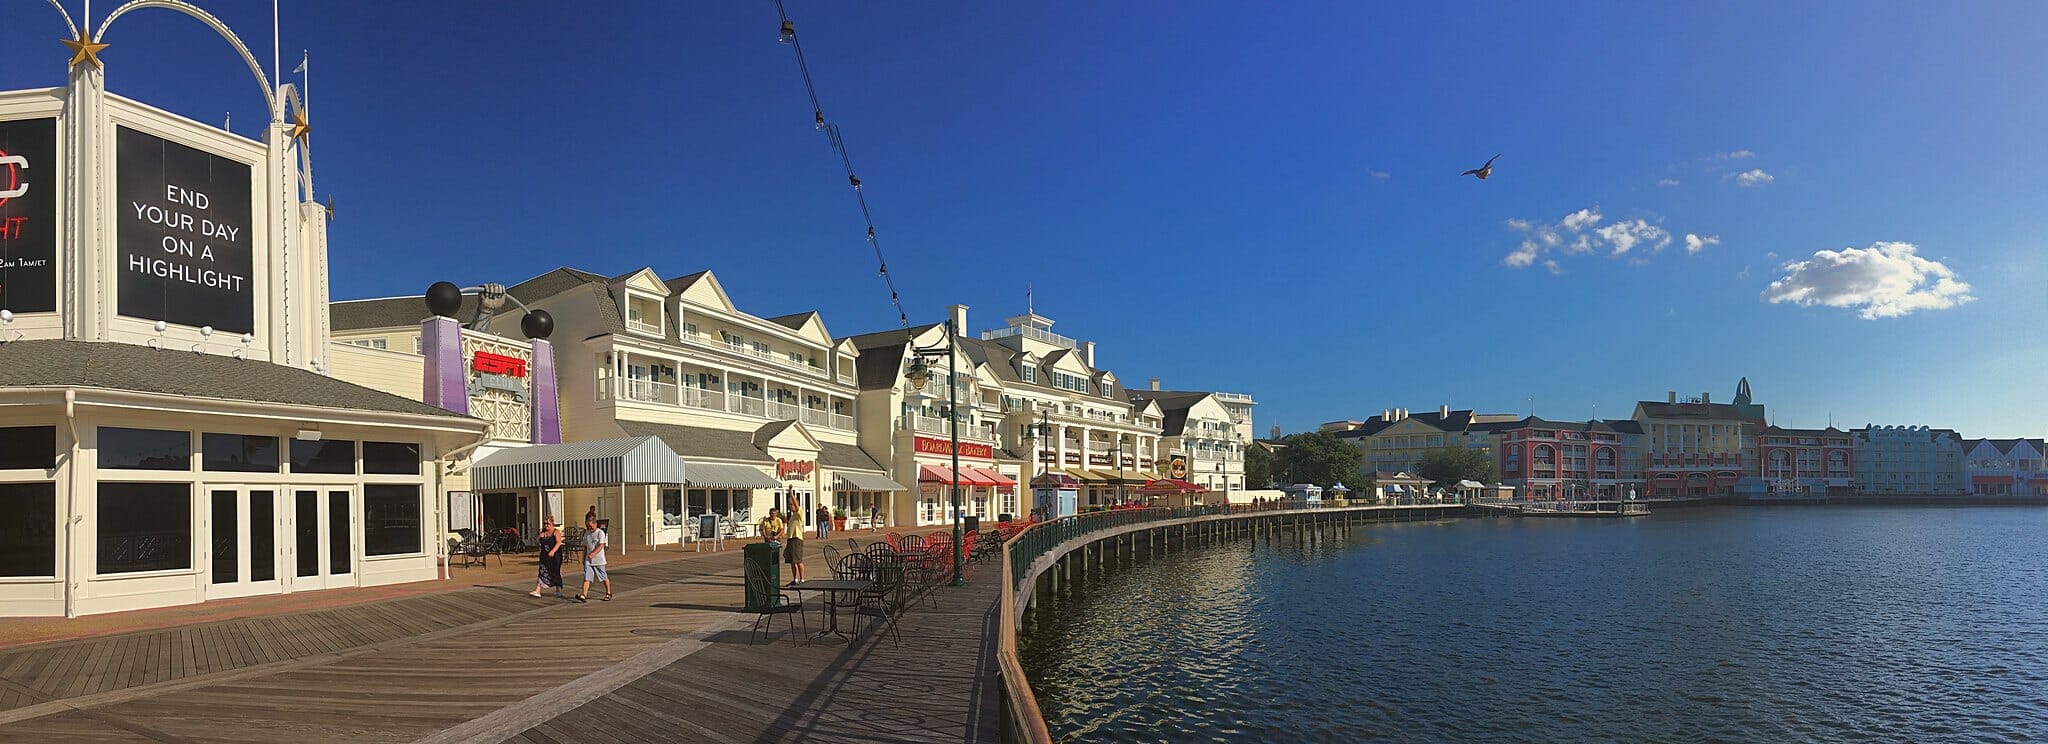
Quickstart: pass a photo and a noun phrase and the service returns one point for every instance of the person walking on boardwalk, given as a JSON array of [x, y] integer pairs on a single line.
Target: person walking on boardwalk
[[550, 559], [793, 540], [594, 542]]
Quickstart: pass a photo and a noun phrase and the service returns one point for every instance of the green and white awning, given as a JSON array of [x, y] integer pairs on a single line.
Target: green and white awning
[[720, 475], [579, 464], [849, 480]]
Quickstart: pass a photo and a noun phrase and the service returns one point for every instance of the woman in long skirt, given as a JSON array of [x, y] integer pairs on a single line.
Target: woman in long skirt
[[550, 559]]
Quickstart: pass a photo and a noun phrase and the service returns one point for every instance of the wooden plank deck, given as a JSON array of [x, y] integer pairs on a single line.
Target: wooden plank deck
[[938, 685], [427, 666]]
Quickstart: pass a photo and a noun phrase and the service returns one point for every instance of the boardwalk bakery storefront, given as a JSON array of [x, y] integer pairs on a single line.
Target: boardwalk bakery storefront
[[168, 430]]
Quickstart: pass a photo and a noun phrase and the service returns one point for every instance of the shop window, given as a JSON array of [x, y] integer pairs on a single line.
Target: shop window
[[238, 453], [144, 449], [144, 527], [28, 447], [391, 458], [672, 505], [391, 520], [28, 535], [328, 456]]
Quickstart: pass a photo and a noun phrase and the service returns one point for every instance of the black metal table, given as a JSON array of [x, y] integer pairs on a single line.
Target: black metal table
[[832, 587]]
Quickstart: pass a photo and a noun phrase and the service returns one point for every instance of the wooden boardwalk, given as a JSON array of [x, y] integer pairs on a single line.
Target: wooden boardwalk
[[939, 685], [427, 666]]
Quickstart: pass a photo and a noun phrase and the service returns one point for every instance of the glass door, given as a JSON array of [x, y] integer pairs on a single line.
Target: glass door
[[322, 532], [242, 550]]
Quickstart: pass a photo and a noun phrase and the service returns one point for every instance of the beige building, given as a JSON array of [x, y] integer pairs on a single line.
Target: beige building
[[1396, 440], [763, 410], [1204, 436], [1033, 403]]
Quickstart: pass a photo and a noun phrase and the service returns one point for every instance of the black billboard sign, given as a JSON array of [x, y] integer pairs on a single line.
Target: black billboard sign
[[28, 215], [183, 232]]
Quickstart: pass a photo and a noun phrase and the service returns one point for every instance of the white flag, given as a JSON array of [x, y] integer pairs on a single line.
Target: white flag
[[302, 66]]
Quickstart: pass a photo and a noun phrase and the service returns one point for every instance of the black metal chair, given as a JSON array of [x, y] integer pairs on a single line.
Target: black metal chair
[[834, 561], [757, 586], [877, 603]]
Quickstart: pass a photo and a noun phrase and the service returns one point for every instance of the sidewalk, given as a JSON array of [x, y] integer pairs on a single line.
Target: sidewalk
[[498, 571], [416, 666]]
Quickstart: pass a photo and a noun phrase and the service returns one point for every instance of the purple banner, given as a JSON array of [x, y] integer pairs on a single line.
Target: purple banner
[[547, 412]]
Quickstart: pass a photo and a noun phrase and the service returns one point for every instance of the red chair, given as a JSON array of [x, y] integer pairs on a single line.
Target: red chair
[[893, 539]]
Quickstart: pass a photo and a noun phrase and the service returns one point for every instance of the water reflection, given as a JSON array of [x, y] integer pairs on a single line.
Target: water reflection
[[1735, 624]]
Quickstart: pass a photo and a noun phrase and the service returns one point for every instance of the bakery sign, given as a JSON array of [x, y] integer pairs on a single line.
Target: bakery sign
[[1177, 467], [794, 469], [934, 446]]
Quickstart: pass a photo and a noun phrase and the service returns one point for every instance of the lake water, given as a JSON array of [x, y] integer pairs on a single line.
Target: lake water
[[1725, 623]]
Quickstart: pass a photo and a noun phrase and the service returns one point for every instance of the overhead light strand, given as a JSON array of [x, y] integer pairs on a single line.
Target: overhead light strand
[[833, 137]]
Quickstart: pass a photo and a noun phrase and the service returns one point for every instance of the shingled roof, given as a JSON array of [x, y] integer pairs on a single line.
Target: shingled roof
[[140, 369], [728, 444], [1173, 407], [396, 312]]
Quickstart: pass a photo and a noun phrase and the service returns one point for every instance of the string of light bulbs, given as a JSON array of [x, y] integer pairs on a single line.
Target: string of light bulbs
[[788, 37]]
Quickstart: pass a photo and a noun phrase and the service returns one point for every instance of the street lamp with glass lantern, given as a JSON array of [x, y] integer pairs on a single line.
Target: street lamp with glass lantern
[[919, 373]]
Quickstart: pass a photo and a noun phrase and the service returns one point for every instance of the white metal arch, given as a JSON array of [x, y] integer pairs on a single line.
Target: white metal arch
[[269, 99], [67, 18]]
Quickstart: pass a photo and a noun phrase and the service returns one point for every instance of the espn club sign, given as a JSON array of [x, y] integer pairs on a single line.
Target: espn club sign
[[933, 446]]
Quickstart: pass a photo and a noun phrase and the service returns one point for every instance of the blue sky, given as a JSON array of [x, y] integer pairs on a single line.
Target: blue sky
[[1252, 197]]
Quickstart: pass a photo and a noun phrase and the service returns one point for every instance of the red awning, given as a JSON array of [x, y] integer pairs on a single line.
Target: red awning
[[2000, 480], [969, 476], [993, 476], [1171, 485], [936, 474]]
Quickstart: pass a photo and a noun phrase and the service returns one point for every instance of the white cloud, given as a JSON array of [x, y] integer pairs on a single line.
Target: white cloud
[[1667, 183], [1583, 232], [1736, 155], [1627, 234], [1886, 280], [1695, 243], [1581, 219], [1744, 273], [1753, 178], [1381, 175]]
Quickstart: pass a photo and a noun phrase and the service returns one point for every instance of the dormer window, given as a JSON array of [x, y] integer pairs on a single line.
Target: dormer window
[[643, 315], [1030, 373]]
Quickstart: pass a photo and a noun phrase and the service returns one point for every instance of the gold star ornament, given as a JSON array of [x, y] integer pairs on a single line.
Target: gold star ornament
[[84, 51], [301, 130]]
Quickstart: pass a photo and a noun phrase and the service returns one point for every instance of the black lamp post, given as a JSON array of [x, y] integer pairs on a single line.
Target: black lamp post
[[920, 372]]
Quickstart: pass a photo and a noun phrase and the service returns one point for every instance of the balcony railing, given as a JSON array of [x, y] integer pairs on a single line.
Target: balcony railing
[[669, 393], [708, 341], [939, 426], [637, 325], [1035, 334]]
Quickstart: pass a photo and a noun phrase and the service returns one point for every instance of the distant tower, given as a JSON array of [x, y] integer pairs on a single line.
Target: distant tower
[[1742, 392]]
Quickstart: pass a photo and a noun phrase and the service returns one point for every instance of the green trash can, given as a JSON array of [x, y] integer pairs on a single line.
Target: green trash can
[[768, 558]]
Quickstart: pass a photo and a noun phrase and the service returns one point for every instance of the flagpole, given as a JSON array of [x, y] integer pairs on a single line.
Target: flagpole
[[276, 67]]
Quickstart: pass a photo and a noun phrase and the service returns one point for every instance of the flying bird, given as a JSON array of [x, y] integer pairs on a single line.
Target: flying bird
[[1482, 171]]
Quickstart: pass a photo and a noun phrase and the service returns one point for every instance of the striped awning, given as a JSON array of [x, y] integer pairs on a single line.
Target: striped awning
[[577, 464], [721, 475], [846, 480], [1085, 475]]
